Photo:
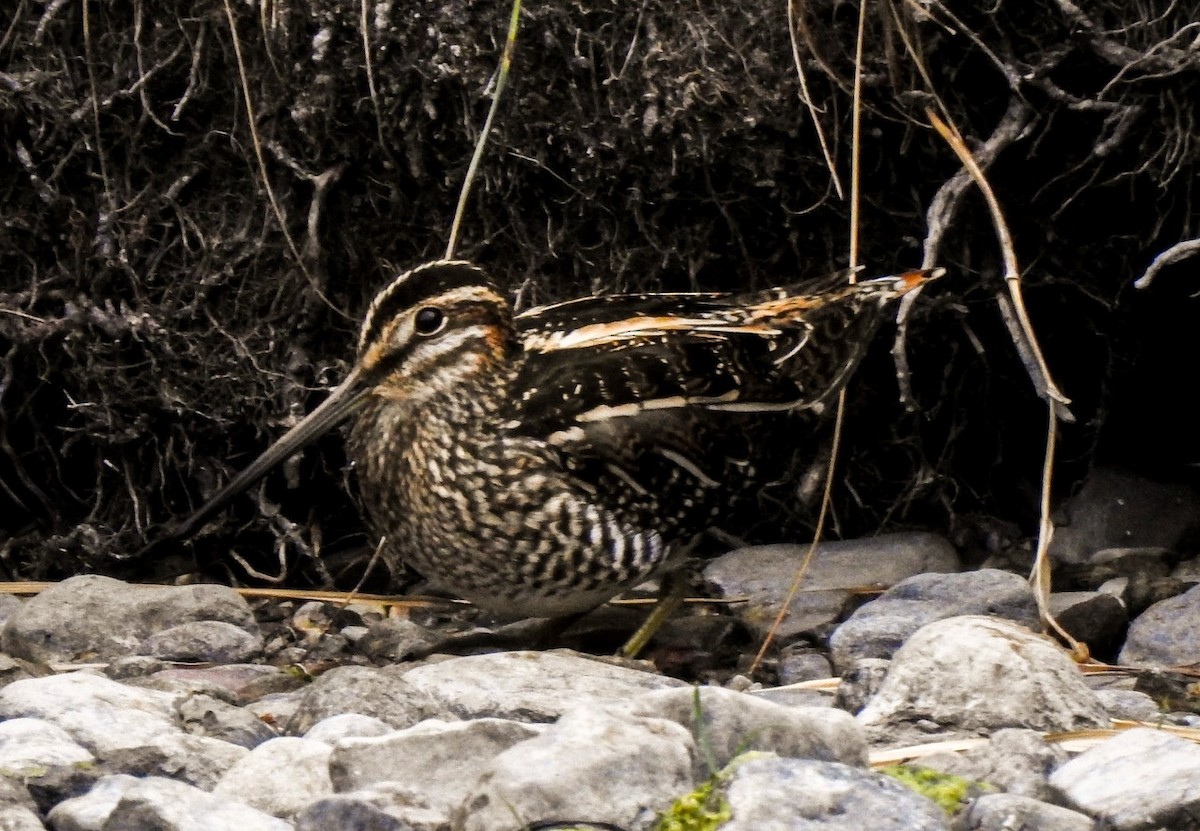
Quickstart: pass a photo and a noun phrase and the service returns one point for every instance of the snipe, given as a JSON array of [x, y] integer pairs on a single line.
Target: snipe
[[541, 463]]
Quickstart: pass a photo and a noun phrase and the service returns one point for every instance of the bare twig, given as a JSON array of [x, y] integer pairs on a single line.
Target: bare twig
[[1055, 401], [510, 44], [813, 110], [1177, 252]]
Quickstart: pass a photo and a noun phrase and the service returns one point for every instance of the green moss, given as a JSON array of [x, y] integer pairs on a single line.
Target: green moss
[[949, 792], [703, 809]]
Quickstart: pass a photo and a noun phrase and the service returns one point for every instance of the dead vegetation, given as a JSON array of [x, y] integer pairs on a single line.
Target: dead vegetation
[[196, 207]]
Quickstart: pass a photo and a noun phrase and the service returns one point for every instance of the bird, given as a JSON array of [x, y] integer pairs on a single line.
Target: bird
[[539, 464]]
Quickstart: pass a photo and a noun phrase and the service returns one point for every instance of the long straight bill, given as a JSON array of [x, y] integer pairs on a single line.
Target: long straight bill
[[343, 401]]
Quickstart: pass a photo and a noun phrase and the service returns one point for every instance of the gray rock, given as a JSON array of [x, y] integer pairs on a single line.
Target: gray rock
[[203, 715], [1139, 779], [129, 728], [774, 794], [453, 756], [1096, 618], [1119, 509], [126, 802], [1015, 760], [878, 629], [229, 682], [395, 639], [593, 765], [1165, 634], [9, 603], [859, 683], [795, 666], [19, 818], [725, 723], [385, 694], [529, 686], [204, 641], [345, 726], [1130, 705], [279, 777], [119, 617], [29, 744], [763, 574], [383, 807], [1187, 571], [1010, 812], [981, 673]]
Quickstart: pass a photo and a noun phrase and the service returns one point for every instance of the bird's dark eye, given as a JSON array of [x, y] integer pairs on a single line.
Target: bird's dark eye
[[429, 321]]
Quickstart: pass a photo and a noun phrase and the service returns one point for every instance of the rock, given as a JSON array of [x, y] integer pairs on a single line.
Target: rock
[[127, 802], [980, 673], [1010, 812], [453, 756], [8, 605], [131, 729], [395, 639], [119, 617], [770, 793], [1165, 634], [345, 726], [592, 765], [763, 574], [529, 686], [726, 723], [279, 777], [859, 683], [385, 694], [1130, 705], [383, 807], [203, 641], [1015, 760], [19, 818], [1110, 564], [28, 744], [797, 665], [203, 715], [1187, 571], [231, 682], [15, 669], [1139, 779], [1119, 509], [877, 629], [1096, 618]]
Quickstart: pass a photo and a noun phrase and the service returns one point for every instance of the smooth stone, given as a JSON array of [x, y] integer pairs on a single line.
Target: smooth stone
[[345, 726], [204, 641], [129, 728], [453, 756], [1165, 634], [796, 666], [279, 777], [981, 673], [1011, 812], [119, 615], [386, 694], [161, 804], [770, 793], [9, 604], [529, 686], [1130, 705], [879, 628], [591, 766], [1138, 779], [727, 723], [1115, 508], [28, 744], [763, 574], [230, 682]]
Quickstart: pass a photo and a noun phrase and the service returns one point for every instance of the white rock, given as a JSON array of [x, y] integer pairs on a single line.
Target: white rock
[[769, 793], [980, 673], [440, 760], [117, 722], [31, 742], [127, 802], [593, 765], [529, 686], [347, 725], [1139, 779], [279, 777]]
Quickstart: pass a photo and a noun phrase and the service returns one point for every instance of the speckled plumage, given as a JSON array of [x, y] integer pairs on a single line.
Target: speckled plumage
[[539, 464]]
